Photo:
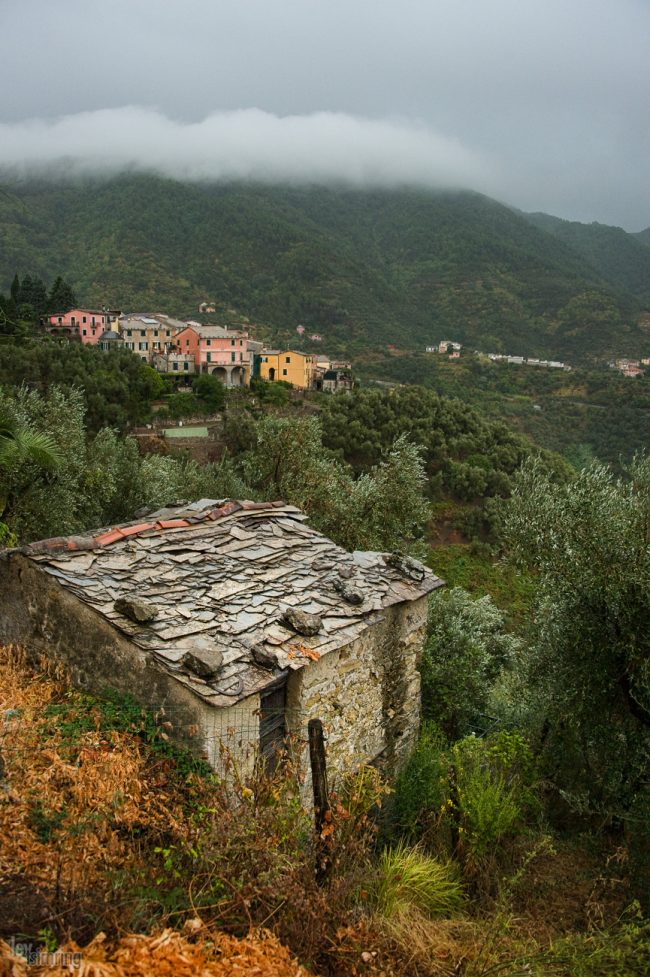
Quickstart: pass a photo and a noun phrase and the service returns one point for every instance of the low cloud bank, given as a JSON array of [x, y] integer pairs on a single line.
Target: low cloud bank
[[250, 144]]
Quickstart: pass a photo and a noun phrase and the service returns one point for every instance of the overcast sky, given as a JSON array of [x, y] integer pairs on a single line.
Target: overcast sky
[[544, 105]]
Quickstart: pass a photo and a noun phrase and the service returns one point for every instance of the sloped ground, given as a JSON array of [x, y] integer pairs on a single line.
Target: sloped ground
[[115, 849]]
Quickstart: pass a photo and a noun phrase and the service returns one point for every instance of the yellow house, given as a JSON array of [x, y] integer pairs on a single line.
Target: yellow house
[[288, 365]]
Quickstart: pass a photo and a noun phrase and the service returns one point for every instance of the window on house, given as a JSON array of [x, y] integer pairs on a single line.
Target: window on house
[[143, 332], [241, 342], [174, 366], [208, 342], [83, 332], [142, 346], [167, 333], [92, 320], [186, 365], [187, 342], [208, 357], [284, 373], [232, 357], [232, 342], [155, 332], [129, 332], [83, 319], [273, 725], [60, 320], [287, 359]]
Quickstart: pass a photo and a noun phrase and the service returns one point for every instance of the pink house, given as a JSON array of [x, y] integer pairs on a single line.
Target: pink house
[[225, 354], [187, 341], [88, 325], [217, 350]]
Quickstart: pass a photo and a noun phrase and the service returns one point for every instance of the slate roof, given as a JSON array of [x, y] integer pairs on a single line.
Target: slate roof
[[221, 574]]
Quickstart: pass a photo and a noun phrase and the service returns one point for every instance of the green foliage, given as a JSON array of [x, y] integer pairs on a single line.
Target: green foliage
[[61, 297], [488, 792], [97, 480], [422, 787], [382, 509], [210, 391], [407, 879], [274, 394], [585, 683], [621, 259], [464, 455], [45, 824], [582, 415], [185, 405], [474, 568], [116, 386], [466, 649], [470, 799], [622, 950]]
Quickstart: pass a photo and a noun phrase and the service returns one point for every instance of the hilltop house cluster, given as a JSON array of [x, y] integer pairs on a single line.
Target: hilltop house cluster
[[452, 350], [188, 348], [631, 368]]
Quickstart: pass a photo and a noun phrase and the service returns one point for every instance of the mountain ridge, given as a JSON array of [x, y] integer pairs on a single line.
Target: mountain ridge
[[362, 268]]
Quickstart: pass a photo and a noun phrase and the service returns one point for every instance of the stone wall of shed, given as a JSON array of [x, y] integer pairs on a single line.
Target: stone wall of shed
[[232, 736], [367, 694], [51, 623]]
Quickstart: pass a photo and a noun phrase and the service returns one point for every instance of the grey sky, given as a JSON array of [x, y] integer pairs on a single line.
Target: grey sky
[[544, 105]]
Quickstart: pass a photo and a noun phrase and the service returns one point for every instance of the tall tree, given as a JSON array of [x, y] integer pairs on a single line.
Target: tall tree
[[62, 297], [587, 677]]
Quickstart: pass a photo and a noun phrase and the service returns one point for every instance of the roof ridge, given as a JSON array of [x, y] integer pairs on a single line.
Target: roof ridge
[[231, 507]]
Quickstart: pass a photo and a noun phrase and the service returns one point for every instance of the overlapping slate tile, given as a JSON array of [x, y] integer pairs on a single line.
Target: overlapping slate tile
[[226, 570]]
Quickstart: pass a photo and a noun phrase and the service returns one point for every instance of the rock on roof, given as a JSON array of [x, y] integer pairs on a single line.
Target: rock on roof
[[205, 587]]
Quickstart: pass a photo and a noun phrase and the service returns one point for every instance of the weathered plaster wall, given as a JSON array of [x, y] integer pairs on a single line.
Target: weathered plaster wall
[[366, 694]]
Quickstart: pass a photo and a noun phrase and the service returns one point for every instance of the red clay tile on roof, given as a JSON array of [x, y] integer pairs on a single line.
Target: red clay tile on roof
[[140, 528], [171, 523], [229, 507], [110, 537]]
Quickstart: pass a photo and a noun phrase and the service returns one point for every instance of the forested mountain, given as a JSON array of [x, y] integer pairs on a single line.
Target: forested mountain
[[622, 259], [644, 237], [361, 267]]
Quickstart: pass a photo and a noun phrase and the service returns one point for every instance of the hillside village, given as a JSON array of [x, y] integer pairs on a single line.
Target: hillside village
[[190, 348]]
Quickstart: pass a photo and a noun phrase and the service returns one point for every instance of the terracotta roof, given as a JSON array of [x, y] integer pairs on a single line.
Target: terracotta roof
[[220, 575]]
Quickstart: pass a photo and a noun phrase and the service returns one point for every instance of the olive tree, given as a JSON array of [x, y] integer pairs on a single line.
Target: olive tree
[[587, 675], [466, 650]]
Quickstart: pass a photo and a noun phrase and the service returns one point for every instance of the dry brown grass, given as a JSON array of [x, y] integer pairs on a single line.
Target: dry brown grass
[[168, 954]]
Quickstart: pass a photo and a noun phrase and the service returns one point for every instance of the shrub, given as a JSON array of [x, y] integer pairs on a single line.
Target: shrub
[[487, 805], [468, 799], [421, 788], [409, 879]]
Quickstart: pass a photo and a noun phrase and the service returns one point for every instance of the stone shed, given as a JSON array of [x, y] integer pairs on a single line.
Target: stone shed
[[237, 622]]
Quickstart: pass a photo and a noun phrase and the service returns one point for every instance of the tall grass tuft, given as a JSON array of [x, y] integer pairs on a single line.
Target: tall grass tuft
[[407, 879]]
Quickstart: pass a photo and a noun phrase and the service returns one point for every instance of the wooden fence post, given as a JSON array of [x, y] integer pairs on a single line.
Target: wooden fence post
[[322, 811]]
